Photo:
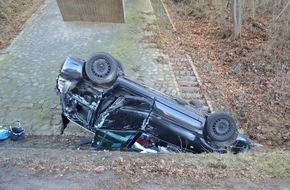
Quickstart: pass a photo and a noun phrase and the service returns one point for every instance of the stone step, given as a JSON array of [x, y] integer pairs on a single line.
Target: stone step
[[188, 84], [190, 96], [182, 67], [181, 62], [187, 81], [190, 90], [186, 78], [183, 73]]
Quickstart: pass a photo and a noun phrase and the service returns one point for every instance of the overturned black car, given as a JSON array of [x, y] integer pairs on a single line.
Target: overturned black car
[[126, 115]]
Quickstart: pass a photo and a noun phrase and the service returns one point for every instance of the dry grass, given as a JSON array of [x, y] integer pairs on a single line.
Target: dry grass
[[254, 165], [13, 14], [46, 156]]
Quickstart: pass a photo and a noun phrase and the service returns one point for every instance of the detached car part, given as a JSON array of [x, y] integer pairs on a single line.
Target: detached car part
[[96, 95]]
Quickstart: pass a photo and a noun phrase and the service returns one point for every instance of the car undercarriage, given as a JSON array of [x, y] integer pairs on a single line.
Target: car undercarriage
[[126, 115]]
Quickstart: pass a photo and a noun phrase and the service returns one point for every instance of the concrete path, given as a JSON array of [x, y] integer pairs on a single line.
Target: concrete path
[[29, 66]]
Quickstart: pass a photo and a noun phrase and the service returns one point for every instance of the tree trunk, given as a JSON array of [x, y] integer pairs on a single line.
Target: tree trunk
[[210, 3], [239, 17], [253, 8], [223, 16], [236, 10]]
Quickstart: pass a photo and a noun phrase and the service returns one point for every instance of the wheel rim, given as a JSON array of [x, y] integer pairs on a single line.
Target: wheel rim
[[221, 127], [101, 68]]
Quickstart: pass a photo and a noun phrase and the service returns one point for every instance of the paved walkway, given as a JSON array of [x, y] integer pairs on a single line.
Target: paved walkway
[[29, 66]]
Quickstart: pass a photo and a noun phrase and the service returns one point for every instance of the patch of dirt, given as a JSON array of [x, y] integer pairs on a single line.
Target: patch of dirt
[[249, 77], [108, 180]]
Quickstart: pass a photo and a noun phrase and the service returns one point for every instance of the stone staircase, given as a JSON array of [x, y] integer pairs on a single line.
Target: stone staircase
[[188, 80], [182, 66]]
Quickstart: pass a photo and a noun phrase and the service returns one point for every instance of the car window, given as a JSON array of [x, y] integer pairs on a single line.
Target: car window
[[113, 139]]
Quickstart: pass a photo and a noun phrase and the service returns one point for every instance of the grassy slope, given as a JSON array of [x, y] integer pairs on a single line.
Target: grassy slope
[[42, 154], [13, 14]]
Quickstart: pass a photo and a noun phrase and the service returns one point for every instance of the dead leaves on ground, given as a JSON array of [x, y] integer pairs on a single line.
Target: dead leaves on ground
[[247, 77]]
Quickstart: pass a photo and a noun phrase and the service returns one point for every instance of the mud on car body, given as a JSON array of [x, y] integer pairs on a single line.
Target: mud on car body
[[124, 114]]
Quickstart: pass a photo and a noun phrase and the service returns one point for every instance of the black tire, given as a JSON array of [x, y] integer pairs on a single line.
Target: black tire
[[120, 65], [101, 68], [221, 128]]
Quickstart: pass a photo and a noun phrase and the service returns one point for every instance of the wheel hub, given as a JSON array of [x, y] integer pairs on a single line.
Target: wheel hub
[[101, 68], [221, 127]]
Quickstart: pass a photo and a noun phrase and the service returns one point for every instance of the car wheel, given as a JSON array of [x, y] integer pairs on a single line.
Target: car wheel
[[221, 128], [101, 68]]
